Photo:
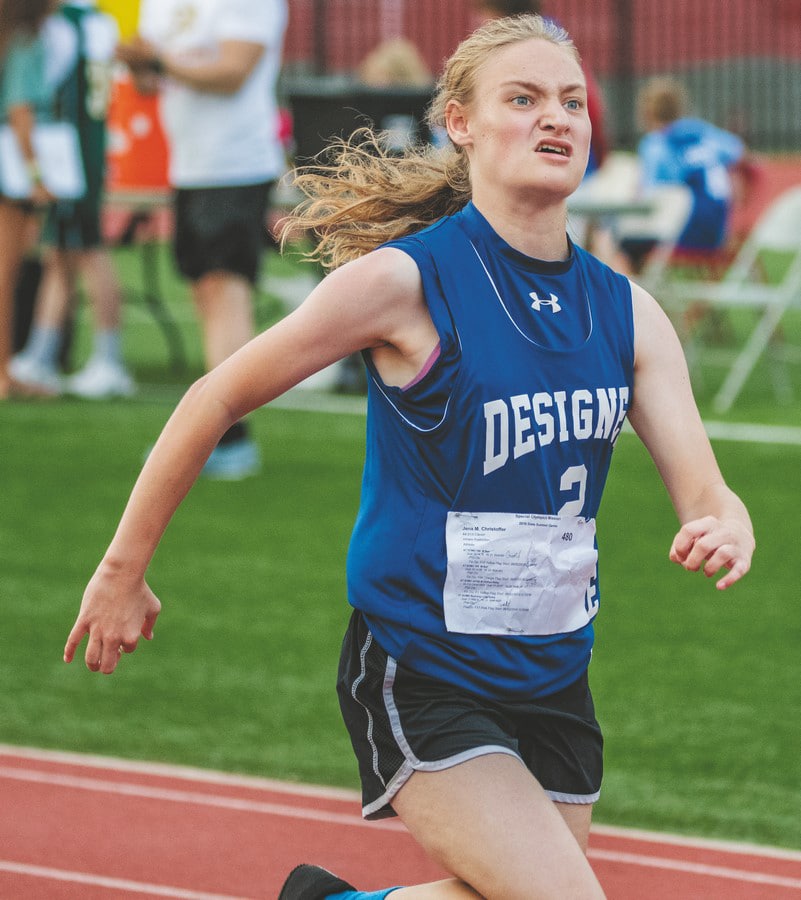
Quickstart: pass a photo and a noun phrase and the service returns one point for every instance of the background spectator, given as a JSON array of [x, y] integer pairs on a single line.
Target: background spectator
[[216, 63], [80, 43], [395, 63], [677, 149], [24, 97]]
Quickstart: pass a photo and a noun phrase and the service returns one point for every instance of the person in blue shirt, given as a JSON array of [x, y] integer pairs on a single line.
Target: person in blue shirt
[[502, 363], [680, 149]]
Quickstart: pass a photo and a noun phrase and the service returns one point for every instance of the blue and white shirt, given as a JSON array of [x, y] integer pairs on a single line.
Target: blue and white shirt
[[473, 557], [698, 154]]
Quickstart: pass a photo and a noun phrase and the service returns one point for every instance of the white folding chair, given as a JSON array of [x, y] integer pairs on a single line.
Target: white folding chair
[[614, 185], [746, 284], [663, 224]]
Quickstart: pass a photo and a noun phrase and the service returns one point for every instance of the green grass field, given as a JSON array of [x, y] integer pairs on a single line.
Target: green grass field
[[698, 691]]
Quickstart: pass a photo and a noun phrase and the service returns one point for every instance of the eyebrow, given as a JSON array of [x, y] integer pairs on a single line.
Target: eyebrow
[[534, 87]]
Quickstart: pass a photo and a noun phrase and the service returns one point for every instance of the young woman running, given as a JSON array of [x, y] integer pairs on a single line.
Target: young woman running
[[503, 361]]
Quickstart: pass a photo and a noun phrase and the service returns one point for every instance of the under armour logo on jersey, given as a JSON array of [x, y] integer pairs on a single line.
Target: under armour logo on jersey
[[538, 303]]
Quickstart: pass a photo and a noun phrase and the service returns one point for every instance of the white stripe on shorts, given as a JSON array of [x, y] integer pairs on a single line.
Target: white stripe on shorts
[[412, 762]]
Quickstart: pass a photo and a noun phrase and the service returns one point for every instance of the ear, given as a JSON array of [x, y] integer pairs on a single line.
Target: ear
[[457, 124]]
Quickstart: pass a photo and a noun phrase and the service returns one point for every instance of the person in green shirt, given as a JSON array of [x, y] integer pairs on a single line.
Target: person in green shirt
[[80, 41]]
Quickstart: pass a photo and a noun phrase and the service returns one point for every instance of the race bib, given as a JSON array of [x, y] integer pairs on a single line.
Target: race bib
[[518, 573]]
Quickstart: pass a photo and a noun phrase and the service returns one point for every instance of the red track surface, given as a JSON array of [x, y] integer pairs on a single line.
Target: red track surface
[[73, 826]]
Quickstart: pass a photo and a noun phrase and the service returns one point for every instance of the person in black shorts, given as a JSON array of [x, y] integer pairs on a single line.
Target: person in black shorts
[[216, 75], [220, 229], [503, 361]]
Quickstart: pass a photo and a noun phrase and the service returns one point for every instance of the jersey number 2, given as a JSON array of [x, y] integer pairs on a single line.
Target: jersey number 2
[[574, 480]]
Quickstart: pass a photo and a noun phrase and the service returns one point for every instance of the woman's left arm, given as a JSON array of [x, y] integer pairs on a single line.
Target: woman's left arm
[[25, 91], [22, 120], [716, 531]]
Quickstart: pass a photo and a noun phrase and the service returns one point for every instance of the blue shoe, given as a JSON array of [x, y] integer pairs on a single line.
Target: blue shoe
[[312, 883], [233, 462]]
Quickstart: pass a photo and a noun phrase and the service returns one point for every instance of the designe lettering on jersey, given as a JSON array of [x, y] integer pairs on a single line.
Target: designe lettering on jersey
[[538, 302], [522, 423]]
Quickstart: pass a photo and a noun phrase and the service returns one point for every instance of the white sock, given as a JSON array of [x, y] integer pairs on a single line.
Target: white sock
[[107, 346], [43, 345]]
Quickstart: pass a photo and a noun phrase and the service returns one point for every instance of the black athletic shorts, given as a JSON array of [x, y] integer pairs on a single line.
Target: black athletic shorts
[[74, 226], [221, 229], [400, 722]]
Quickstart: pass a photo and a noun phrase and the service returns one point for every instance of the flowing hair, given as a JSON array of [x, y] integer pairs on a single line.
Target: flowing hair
[[359, 194]]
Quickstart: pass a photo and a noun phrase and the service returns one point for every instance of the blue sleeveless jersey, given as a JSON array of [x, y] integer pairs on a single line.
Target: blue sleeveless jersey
[[512, 428]]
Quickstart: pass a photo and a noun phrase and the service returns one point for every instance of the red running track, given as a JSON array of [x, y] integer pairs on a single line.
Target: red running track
[[78, 826]]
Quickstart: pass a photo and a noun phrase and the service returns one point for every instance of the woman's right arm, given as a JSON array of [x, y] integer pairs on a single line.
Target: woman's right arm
[[372, 302]]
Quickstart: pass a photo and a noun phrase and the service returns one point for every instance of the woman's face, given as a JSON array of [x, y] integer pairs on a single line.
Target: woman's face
[[527, 127]]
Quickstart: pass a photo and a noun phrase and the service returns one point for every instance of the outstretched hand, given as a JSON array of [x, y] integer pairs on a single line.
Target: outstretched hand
[[712, 544], [115, 615]]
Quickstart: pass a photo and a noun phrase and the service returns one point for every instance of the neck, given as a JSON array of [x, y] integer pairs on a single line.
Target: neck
[[539, 230]]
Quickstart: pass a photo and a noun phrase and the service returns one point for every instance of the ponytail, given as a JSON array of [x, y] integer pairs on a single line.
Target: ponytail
[[360, 195]]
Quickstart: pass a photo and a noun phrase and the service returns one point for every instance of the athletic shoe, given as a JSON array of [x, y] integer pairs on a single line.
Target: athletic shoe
[[100, 380], [233, 461], [312, 883], [34, 377]]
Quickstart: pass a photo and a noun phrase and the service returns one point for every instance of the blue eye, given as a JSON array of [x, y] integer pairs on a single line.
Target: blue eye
[[520, 101], [573, 104]]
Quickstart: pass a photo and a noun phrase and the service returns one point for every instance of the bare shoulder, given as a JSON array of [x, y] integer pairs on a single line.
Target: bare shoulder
[[647, 311], [654, 333], [384, 289], [385, 283], [376, 299], [662, 389], [392, 269]]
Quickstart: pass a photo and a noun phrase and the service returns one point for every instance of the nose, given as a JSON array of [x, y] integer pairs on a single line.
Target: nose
[[554, 116]]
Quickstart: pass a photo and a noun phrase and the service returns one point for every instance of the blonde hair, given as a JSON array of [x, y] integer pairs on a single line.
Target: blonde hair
[[359, 195]]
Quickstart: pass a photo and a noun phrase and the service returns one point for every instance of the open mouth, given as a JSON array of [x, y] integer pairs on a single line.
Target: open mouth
[[555, 149]]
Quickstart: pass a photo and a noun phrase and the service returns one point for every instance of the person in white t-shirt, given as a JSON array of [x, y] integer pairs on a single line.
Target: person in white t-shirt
[[216, 64]]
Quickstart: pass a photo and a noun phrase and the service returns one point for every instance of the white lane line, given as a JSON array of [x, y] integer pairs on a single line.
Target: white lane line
[[741, 848], [212, 777], [755, 434], [75, 782], [276, 809], [184, 773], [677, 865], [746, 432], [117, 884]]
